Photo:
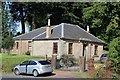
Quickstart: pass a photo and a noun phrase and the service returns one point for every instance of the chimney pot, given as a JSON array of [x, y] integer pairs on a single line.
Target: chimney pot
[[48, 29], [48, 22], [87, 28]]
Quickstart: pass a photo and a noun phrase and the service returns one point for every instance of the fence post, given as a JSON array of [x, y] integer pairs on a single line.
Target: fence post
[[91, 67], [53, 61], [82, 63]]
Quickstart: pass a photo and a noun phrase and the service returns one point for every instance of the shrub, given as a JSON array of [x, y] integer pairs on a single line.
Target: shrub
[[99, 71], [103, 70], [67, 60], [27, 53], [114, 54]]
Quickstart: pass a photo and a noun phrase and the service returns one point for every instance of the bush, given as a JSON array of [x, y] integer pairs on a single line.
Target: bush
[[99, 71], [27, 53], [114, 54], [103, 70], [67, 60]]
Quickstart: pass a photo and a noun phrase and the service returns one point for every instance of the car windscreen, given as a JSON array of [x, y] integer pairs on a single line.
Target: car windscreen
[[44, 62]]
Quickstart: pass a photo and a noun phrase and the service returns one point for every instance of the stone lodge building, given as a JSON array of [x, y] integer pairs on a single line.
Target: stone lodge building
[[59, 39]]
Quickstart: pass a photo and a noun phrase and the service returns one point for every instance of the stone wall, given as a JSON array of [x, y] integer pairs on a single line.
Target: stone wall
[[77, 49], [45, 47], [22, 47], [42, 48]]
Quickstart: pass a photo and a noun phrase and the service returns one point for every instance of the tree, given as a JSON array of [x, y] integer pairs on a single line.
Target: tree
[[36, 13], [7, 23], [103, 19], [114, 53], [0, 26], [19, 13]]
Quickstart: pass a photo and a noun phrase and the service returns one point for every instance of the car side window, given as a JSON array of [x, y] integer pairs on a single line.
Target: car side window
[[33, 63], [25, 62]]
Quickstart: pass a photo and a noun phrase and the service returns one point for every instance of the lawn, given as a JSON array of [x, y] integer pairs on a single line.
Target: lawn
[[9, 61]]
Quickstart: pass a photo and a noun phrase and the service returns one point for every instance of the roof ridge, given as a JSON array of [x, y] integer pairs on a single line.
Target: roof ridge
[[67, 23], [62, 30]]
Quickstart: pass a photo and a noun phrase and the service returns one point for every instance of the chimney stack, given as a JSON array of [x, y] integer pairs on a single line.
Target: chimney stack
[[48, 28], [87, 28]]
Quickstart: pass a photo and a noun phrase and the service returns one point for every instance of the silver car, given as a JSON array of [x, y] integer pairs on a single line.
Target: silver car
[[34, 67]]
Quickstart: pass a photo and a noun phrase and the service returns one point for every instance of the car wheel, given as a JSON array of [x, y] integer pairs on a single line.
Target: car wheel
[[35, 73], [16, 71], [50, 73]]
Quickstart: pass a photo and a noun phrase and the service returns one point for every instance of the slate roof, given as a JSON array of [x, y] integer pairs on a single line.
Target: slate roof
[[63, 30]]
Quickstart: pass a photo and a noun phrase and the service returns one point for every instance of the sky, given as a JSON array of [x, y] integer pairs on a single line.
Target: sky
[[19, 27], [18, 24]]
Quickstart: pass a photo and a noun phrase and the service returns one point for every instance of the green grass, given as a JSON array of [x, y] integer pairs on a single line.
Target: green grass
[[9, 61]]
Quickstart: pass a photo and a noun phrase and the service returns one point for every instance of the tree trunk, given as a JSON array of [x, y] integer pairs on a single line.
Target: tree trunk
[[22, 19], [33, 22], [23, 26], [0, 49], [8, 51]]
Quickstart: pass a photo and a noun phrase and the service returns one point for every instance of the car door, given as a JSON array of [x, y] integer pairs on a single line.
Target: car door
[[32, 65], [23, 66]]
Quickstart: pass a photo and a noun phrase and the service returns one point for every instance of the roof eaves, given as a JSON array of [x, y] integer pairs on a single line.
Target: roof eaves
[[82, 40], [22, 39]]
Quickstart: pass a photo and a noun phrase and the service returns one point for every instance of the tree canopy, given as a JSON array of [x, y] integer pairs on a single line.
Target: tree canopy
[[103, 19], [36, 13]]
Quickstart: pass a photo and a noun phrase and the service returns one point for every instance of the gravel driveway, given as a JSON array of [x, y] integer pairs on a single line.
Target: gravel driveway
[[55, 74], [64, 74]]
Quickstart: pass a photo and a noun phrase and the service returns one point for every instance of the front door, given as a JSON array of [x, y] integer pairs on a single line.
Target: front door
[[23, 67]]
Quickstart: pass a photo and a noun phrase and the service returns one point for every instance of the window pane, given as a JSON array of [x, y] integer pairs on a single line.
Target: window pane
[[70, 48], [29, 44], [44, 62], [25, 62], [55, 48], [96, 50], [32, 63], [17, 45]]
